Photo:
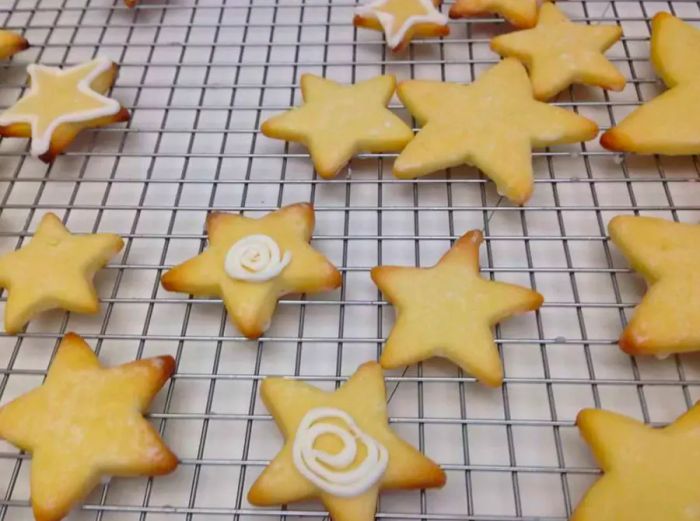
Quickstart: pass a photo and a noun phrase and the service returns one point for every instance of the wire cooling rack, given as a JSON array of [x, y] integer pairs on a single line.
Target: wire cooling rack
[[199, 77]]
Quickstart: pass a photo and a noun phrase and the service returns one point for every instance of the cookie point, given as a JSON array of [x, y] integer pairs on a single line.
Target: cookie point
[[613, 140], [661, 16], [630, 343], [584, 416], [166, 363], [71, 336]]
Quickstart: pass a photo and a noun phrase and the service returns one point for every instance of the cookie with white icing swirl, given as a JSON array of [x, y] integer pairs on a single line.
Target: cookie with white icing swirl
[[338, 447], [251, 262]]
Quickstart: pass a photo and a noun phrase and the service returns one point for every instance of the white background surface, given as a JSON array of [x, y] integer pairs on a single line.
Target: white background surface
[[199, 77]]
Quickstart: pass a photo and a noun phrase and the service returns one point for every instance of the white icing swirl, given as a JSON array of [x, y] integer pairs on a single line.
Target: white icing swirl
[[329, 471], [255, 258]]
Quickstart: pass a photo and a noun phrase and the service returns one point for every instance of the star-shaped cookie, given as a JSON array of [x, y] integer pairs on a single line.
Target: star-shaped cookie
[[312, 422], [11, 43], [670, 123], [520, 13], [402, 20], [559, 53], [650, 474], [492, 124], [448, 310], [667, 255], [86, 422], [54, 270], [60, 103], [251, 263], [338, 121]]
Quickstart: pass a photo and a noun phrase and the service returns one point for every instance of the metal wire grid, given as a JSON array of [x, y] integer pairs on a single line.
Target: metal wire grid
[[199, 77]]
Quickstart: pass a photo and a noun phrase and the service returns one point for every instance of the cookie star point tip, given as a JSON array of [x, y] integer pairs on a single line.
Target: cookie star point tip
[[250, 263], [98, 429], [66, 282], [559, 53], [336, 122], [355, 416], [11, 43], [402, 20], [60, 103], [448, 310], [668, 124]]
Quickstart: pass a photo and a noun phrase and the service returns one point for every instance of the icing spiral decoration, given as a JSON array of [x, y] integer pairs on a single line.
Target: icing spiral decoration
[[255, 258], [330, 471]]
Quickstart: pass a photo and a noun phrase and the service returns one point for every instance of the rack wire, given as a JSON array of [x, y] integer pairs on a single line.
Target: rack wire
[[199, 77]]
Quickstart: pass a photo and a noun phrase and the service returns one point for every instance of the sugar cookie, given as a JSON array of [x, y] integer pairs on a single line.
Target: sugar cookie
[[520, 13], [492, 124], [338, 121], [667, 255], [559, 53], [317, 426], [60, 103], [54, 270], [86, 422], [402, 20], [670, 123], [649, 473], [11, 43], [251, 263], [448, 310]]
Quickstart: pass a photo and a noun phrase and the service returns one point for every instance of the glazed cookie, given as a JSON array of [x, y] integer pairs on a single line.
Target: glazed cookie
[[649, 473], [666, 254], [55, 270], [251, 263], [448, 310], [520, 13], [492, 124], [86, 422], [338, 121], [338, 448], [670, 123], [402, 20], [60, 103], [559, 53], [11, 43]]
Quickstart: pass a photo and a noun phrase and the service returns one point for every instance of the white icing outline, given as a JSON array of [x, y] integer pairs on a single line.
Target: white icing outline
[[267, 263], [41, 144], [432, 15], [324, 469]]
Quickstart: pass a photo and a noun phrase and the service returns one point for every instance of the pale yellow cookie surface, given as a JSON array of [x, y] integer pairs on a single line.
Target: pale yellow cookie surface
[[363, 398], [448, 310], [492, 124], [338, 121], [54, 270], [559, 53], [520, 13], [670, 123], [650, 474], [60, 103], [402, 20], [667, 255], [86, 422], [11, 43], [251, 304]]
